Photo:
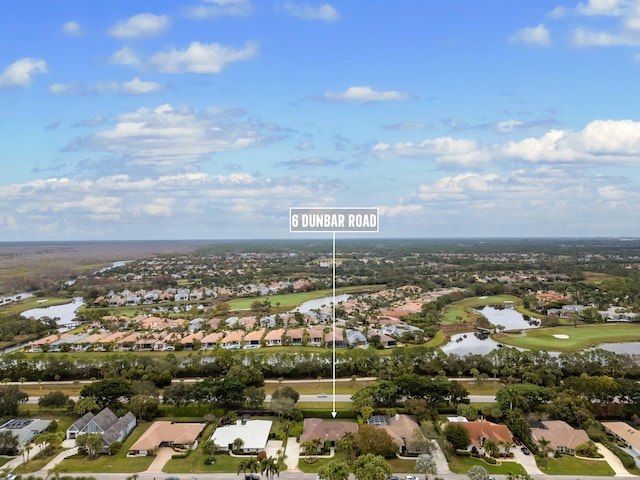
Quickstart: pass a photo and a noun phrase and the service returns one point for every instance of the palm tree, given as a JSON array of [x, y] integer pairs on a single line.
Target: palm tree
[[250, 464], [270, 466], [543, 443], [491, 447], [237, 444]]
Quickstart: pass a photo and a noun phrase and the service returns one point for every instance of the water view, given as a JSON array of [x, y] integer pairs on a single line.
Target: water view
[[64, 314], [311, 305]]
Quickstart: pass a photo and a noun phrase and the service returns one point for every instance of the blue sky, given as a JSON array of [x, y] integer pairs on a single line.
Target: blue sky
[[211, 118]]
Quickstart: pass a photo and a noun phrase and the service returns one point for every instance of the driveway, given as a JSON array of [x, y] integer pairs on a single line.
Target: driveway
[[292, 454], [163, 455], [528, 462], [612, 460]]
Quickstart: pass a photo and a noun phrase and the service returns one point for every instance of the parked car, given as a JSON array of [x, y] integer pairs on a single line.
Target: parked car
[[393, 477], [410, 477], [172, 478], [251, 476], [525, 450]]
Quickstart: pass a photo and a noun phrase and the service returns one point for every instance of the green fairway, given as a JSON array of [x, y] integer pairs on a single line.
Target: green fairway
[[288, 301], [567, 339]]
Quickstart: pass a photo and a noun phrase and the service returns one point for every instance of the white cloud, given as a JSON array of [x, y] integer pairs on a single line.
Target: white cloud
[[611, 142], [20, 72], [443, 149], [216, 8], [200, 58], [601, 141], [546, 200], [365, 94], [125, 56], [583, 37], [71, 29], [509, 125], [627, 32], [409, 126], [133, 87], [538, 35], [602, 7], [141, 25], [140, 87], [168, 137], [111, 205], [324, 12]]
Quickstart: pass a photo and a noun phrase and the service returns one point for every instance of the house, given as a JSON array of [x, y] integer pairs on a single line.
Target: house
[[189, 341], [561, 436], [167, 434], [326, 431], [112, 428], [296, 336], [481, 430], [253, 433], [355, 338], [210, 341], [403, 430], [252, 339], [316, 335], [233, 340], [335, 338], [24, 429], [274, 337], [385, 340], [625, 433]]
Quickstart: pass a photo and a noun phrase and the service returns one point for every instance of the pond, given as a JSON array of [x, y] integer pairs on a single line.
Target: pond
[[462, 344], [508, 317], [65, 314], [310, 305]]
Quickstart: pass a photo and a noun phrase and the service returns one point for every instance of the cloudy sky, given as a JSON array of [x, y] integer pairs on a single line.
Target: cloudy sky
[[158, 119]]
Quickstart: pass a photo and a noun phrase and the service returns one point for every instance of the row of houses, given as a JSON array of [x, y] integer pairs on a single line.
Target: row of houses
[[146, 341], [561, 436]]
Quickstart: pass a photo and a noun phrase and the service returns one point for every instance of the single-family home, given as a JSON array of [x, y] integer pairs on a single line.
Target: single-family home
[[252, 339], [316, 335], [327, 431], [625, 433], [112, 428], [167, 434], [274, 337], [561, 436], [403, 430], [482, 430], [232, 340], [253, 433], [209, 342]]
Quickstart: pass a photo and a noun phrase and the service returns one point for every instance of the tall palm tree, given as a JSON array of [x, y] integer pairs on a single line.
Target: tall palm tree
[[271, 467]]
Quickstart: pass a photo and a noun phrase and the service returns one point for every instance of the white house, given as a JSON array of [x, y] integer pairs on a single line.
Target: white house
[[253, 433]]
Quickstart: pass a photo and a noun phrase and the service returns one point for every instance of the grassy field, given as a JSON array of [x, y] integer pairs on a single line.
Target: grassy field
[[289, 301], [463, 464], [569, 465], [462, 312], [568, 339]]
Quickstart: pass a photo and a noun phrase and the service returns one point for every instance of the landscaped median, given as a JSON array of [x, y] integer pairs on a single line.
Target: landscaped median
[[570, 339]]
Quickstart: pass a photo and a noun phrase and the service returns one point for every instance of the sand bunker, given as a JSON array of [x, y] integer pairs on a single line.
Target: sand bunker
[[561, 336]]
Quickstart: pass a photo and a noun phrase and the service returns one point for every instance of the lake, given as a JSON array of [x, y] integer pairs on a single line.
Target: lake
[[65, 313], [307, 307]]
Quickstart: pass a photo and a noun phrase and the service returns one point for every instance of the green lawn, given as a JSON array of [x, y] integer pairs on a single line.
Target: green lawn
[[463, 464], [585, 336], [288, 301], [462, 312], [570, 465]]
